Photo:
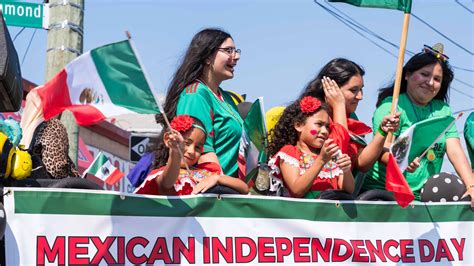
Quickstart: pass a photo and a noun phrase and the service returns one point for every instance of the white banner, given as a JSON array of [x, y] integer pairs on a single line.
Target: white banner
[[50, 227]]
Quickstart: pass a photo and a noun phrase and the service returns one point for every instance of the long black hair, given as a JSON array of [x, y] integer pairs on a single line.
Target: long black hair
[[202, 46], [284, 132], [340, 70], [161, 152], [415, 63]]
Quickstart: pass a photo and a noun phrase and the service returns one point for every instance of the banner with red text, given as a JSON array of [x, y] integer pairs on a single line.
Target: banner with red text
[[53, 226]]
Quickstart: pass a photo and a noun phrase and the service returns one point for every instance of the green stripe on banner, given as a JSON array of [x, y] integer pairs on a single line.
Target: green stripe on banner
[[80, 203], [123, 77]]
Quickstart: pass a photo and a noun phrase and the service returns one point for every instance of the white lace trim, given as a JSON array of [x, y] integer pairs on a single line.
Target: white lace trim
[[330, 170], [182, 182], [276, 184]]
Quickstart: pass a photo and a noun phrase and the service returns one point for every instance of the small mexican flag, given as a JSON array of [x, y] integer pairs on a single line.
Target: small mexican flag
[[409, 145], [417, 138], [104, 82], [402, 5], [253, 141], [103, 169]]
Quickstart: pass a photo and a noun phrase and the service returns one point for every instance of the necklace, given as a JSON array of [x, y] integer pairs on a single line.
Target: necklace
[[226, 106], [416, 114]]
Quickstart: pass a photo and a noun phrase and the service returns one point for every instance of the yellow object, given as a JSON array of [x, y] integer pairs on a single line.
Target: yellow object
[[18, 162], [238, 98], [273, 115], [21, 164]]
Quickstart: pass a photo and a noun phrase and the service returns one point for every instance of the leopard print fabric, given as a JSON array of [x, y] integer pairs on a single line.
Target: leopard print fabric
[[52, 146]]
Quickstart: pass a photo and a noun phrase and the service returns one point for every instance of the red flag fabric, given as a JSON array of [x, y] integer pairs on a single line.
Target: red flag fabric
[[396, 183], [357, 127], [340, 135]]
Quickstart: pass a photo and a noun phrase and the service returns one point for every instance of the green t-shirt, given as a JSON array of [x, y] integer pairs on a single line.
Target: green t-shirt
[[221, 120], [469, 137], [411, 113]]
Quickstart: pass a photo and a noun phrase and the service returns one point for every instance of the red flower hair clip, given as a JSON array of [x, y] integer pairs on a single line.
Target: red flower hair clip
[[182, 123], [309, 104]]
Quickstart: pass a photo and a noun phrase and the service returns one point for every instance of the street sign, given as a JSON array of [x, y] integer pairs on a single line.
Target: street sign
[[30, 15], [138, 146]]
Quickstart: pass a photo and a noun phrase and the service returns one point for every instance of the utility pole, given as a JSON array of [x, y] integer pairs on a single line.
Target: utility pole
[[65, 43]]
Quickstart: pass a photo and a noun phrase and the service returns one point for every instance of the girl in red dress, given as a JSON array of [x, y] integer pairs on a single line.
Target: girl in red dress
[[304, 161], [188, 134]]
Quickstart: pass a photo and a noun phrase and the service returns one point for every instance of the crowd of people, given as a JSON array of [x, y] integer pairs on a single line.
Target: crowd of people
[[317, 143]]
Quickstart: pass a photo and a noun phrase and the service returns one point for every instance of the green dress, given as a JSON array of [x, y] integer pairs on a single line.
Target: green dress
[[221, 120], [469, 137], [412, 113]]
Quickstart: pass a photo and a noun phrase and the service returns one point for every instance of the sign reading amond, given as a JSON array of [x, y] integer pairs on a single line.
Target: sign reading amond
[[30, 15]]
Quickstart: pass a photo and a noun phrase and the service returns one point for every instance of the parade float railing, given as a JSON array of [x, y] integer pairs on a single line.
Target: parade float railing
[[66, 227]]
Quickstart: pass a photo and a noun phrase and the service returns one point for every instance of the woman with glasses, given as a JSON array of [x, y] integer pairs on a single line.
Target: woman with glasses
[[195, 90], [423, 94]]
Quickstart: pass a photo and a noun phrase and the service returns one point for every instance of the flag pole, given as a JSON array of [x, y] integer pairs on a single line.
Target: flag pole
[[441, 135], [148, 81], [398, 76]]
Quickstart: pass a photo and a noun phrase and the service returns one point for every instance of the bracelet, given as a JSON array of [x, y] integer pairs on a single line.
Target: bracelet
[[381, 132], [469, 186]]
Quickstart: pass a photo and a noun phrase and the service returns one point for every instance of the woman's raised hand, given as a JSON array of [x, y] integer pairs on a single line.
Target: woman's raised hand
[[413, 165], [390, 123], [333, 93]]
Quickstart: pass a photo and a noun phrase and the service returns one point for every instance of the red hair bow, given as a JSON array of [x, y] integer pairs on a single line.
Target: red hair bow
[[182, 123], [309, 104]]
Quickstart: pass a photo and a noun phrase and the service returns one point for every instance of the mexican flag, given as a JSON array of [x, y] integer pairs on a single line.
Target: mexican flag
[[417, 138], [402, 5], [411, 144], [104, 82], [253, 141], [103, 169]]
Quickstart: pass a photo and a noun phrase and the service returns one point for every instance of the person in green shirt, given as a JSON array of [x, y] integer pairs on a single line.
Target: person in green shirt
[[195, 90], [469, 137], [423, 94]]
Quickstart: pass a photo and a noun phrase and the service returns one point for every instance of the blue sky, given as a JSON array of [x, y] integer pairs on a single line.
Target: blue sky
[[284, 42]]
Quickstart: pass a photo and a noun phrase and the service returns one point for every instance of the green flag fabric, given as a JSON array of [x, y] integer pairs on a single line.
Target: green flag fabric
[[253, 141], [469, 137], [402, 5], [417, 138]]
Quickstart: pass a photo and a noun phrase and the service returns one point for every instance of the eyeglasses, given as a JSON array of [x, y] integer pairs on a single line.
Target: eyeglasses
[[230, 50], [438, 54]]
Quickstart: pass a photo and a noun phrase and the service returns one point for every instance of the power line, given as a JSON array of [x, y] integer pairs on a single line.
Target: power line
[[465, 7], [463, 82], [18, 33], [461, 92], [367, 30], [465, 110], [28, 47], [352, 24], [442, 34]]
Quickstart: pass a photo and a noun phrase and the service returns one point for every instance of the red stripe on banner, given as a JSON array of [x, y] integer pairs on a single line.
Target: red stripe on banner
[[55, 95], [114, 177], [395, 182]]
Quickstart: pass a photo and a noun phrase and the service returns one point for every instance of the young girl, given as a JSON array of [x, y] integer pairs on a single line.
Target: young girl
[[173, 179], [304, 160]]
